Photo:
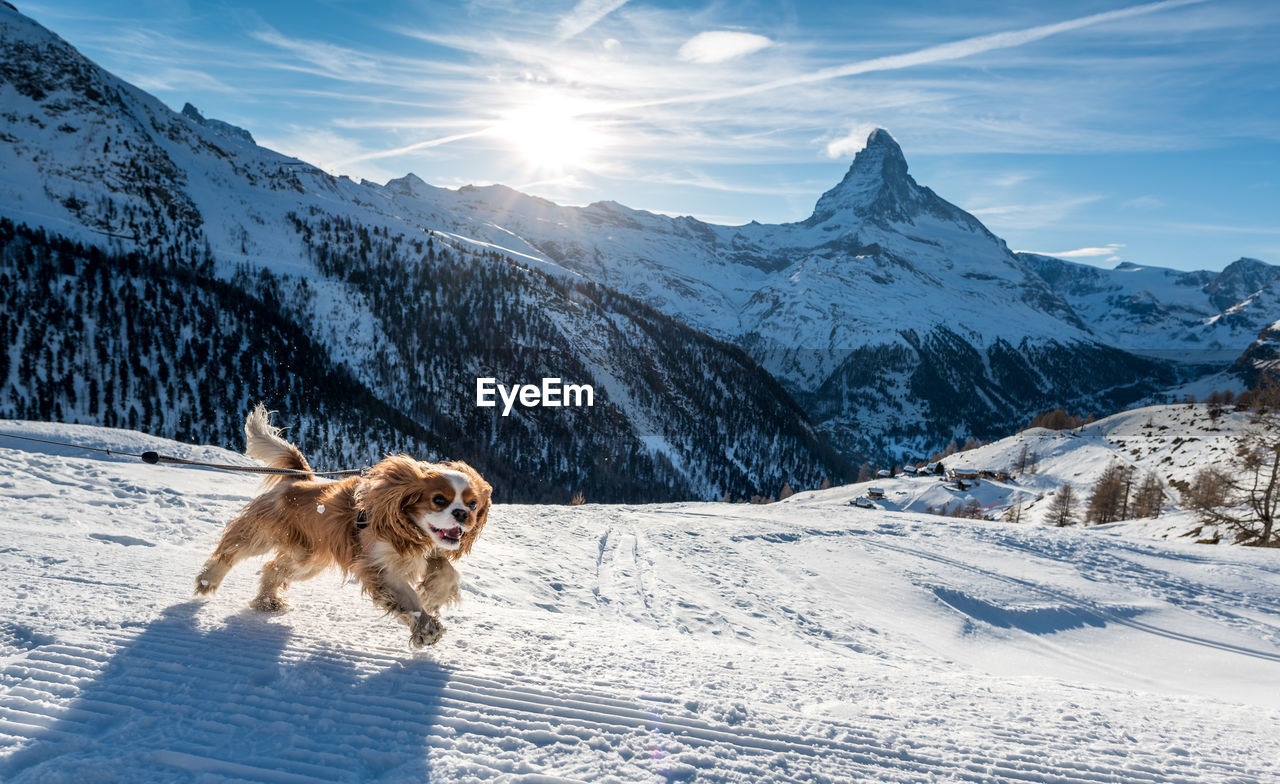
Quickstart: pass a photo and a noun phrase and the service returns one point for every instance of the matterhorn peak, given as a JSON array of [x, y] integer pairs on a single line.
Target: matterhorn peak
[[877, 188], [877, 182]]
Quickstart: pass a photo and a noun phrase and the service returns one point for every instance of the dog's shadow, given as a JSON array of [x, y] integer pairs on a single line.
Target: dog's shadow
[[181, 703]]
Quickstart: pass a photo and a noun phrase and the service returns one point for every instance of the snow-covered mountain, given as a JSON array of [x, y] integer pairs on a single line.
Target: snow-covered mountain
[[108, 191], [803, 641], [1196, 316], [897, 319], [1262, 357], [894, 319]]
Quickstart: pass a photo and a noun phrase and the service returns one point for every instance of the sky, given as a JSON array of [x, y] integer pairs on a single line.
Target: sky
[[1096, 130]]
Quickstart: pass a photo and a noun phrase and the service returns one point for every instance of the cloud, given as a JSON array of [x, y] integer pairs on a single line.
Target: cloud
[[851, 144], [717, 46], [154, 80], [323, 148], [1085, 253], [457, 137], [1144, 203], [930, 54], [585, 14], [1010, 179], [1030, 216]]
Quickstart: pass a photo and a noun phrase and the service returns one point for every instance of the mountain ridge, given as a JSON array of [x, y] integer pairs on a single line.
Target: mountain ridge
[[898, 321]]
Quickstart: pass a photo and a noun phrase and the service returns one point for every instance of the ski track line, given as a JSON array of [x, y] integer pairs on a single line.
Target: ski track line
[[1179, 591], [1085, 604], [471, 705], [860, 536]]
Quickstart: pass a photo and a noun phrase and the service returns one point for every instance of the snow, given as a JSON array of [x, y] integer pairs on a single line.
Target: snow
[[1170, 442], [799, 641]]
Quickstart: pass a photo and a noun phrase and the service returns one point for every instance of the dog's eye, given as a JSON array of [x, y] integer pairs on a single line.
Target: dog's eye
[[440, 500], [472, 506]]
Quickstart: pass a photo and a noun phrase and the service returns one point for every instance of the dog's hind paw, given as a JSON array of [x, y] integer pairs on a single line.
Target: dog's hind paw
[[269, 604], [427, 631]]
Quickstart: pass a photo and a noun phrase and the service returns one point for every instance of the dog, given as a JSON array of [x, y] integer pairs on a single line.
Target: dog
[[397, 529]]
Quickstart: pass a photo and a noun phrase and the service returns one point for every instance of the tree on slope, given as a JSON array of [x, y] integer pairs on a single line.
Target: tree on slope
[[1243, 494], [1062, 507], [1149, 498], [1110, 499]]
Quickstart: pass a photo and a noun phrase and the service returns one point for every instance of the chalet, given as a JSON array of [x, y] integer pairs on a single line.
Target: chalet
[[962, 473], [875, 493], [909, 470], [884, 473], [862, 502]]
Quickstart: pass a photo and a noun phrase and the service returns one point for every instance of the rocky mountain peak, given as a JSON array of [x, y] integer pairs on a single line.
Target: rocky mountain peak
[[878, 188], [1240, 279], [217, 126]]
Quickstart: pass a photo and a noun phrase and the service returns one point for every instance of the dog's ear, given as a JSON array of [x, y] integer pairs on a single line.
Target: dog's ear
[[484, 493], [394, 483]]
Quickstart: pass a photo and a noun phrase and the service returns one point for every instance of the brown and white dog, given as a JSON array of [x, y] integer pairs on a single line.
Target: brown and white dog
[[397, 528]]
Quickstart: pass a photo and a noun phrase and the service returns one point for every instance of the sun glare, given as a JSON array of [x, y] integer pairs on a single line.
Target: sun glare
[[551, 134]]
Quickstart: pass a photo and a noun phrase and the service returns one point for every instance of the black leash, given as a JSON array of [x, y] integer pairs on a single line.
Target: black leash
[[154, 458]]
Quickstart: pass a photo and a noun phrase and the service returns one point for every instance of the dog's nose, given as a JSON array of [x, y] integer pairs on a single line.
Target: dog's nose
[[460, 515]]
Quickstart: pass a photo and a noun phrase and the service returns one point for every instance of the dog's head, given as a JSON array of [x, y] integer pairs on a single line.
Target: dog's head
[[448, 502]]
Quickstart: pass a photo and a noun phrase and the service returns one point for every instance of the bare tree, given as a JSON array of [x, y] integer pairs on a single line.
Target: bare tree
[[1020, 461], [1013, 514], [1244, 494], [1062, 507], [1110, 499], [1149, 497], [865, 473], [1057, 419]]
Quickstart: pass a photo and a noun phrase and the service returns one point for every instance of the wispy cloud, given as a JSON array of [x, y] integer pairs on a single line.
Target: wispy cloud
[[717, 46], [584, 16], [1026, 216], [852, 143], [1143, 203], [928, 55], [416, 146], [1084, 253]]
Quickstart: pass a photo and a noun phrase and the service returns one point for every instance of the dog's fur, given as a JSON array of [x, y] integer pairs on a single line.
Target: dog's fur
[[421, 516]]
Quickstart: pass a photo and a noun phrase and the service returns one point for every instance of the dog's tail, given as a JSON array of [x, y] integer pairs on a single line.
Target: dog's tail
[[263, 442]]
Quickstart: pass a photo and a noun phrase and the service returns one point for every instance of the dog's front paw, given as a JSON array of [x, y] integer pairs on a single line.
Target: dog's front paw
[[269, 604], [427, 631]]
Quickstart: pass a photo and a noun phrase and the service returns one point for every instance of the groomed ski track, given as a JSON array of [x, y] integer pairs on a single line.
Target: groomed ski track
[[801, 641]]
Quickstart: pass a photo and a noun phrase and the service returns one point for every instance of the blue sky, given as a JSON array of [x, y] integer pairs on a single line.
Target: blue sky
[[1099, 130]]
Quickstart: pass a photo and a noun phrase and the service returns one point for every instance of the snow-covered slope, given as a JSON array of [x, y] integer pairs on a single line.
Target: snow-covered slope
[[1170, 442], [797, 641]]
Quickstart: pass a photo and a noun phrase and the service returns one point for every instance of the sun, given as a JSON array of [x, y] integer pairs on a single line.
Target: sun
[[551, 133]]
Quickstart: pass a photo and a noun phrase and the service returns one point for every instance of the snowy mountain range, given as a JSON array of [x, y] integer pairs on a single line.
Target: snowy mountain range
[[890, 319], [164, 272], [1205, 316]]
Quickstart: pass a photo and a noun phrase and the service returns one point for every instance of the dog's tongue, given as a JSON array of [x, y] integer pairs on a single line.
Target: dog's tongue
[[452, 533]]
